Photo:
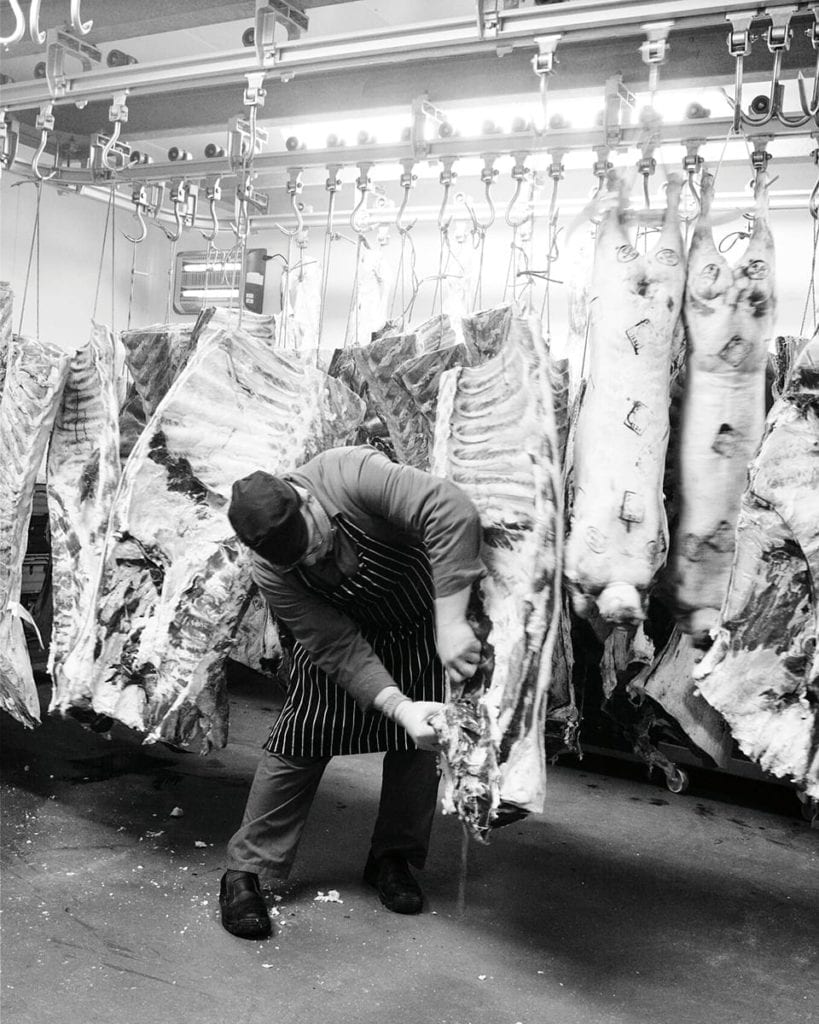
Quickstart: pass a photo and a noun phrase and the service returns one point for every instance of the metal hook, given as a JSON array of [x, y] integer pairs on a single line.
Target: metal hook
[[19, 26], [34, 32], [739, 47], [139, 197], [813, 201], [519, 173], [779, 40], [179, 197], [407, 181], [692, 164], [488, 175], [811, 107], [213, 193], [45, 122], [108, 147], [80, 27], [359, 218], [447, 179]]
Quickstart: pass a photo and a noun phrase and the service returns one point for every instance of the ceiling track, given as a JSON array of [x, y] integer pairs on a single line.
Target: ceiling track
[[537, 152], [580, 21]]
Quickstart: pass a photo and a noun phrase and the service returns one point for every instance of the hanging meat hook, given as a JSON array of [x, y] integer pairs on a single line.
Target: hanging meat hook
[[45, 122], [739, 47], [811, 107], [105, 154], [779, 37], [519, 173], [813, 202], [81, 27], [34, 32], [19, 25], [407, 182], [180, 193], [139, 197], [692, 164], [488, 175], [213, 193], [447, 179], [359, 218]]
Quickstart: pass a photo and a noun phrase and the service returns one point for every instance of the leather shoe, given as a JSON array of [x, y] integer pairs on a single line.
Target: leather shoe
[[397, 889], [243, 909]]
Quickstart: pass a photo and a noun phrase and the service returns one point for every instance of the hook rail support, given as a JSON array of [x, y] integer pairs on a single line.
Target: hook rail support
[[273, 16], [62, 44], [654, 51], [9, 140]]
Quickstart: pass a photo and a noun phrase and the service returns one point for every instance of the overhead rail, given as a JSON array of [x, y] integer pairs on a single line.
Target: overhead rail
[[575, 22]]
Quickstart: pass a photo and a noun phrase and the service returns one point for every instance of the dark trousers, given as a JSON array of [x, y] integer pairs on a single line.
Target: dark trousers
[[282, 793]]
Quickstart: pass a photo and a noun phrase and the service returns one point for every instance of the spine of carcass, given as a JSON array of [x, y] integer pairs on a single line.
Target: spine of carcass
[[83, 473], [34, 383], [495, 438], [729, 323], [618, 537]]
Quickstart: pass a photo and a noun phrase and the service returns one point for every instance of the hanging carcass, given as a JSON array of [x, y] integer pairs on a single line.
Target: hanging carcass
[[729, 324], [618, 529]]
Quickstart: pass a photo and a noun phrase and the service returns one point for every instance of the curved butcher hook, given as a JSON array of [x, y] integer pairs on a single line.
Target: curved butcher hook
[[80, 27], [213, 193], [34, 32], [407, 182], [139, 197], [811, 106], [813, 201], [105, 155], [359, 219], [45, 122], [519, 172], [779, 41], [488, 175], [19, 25]]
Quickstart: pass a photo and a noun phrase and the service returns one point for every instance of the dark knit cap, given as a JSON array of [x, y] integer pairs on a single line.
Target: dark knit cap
[[265, 513]]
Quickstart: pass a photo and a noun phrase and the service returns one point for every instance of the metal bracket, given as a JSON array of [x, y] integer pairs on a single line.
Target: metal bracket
[[9, 141], [243, 141], [62, 44], [692, 161], [107, 155], [543, 61], [184, 197], [760, 155], [422, 112], [556, 170], [271, 17], [255, 93], [488, 17], [654, 50], [779, 33], [619, 102]]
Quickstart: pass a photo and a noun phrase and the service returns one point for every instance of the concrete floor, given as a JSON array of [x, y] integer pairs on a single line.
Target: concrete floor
[[622, 904]]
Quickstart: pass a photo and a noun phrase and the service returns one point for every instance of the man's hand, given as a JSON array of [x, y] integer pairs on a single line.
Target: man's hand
[[459, 649], [414, 716]]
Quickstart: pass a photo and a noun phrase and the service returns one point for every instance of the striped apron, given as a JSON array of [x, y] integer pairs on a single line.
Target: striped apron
[[390, 598]]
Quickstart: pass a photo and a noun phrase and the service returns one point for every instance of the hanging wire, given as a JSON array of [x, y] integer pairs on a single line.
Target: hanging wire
[[102, 252], [35, 244], [810, 298]]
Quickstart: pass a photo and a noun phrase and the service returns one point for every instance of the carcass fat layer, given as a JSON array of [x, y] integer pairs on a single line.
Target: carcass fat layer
[[35, 377]]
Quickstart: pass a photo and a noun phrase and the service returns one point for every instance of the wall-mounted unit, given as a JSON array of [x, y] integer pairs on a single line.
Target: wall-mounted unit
[[212, 278]]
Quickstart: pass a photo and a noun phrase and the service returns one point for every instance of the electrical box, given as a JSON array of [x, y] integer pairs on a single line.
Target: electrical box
[[212, 278]]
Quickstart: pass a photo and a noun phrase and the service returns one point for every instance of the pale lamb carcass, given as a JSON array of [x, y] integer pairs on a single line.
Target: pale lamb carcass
[[729, 324], [618, 529]]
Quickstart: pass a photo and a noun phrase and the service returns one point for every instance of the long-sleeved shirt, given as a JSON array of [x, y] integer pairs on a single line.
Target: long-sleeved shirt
[[394, 504]]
